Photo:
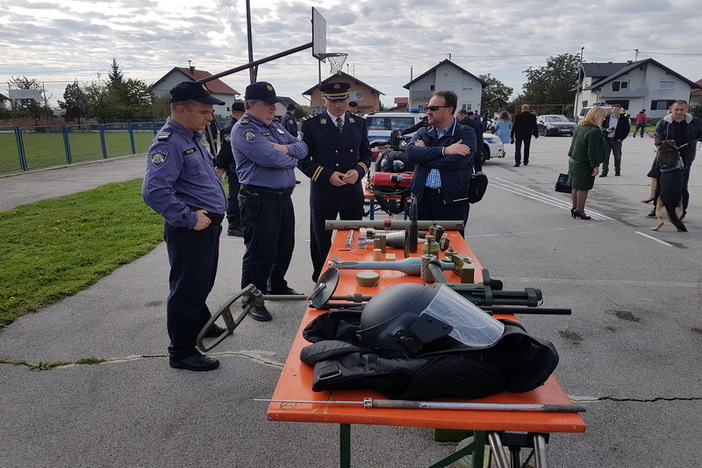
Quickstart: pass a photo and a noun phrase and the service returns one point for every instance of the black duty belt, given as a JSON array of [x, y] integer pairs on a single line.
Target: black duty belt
[[268, 193], [216, 218], [433, 191]]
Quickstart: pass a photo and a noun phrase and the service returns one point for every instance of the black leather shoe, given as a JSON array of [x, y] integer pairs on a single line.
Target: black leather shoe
[[517, 165], [260, 314], [215, 331], [526, 163], [604, 174], [651, 214], [196, 362]]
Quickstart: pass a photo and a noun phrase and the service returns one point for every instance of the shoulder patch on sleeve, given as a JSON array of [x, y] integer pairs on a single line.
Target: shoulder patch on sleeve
[[164, 134], [249, 135], [228, 138], [158, 157]]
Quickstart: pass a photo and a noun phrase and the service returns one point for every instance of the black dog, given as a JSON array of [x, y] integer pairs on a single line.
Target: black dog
[[671, 182]]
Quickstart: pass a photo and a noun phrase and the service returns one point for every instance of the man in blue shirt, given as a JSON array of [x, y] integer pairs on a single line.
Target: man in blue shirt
[[442, 154], [181, 185], [266, 157]]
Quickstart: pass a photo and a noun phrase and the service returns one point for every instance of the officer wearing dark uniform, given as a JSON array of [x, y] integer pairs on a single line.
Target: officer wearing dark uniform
[[225, 161], [338, 160], [266, 157], [181, 185], [289, 120]]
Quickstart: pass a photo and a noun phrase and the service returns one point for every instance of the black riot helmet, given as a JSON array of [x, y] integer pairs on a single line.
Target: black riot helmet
[[402, 319]]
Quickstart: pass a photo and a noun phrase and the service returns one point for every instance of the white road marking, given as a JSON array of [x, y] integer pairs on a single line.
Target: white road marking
[[653, 238], [532, 194]]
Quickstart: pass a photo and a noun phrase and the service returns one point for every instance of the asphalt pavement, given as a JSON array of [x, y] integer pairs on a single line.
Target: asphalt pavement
[[630, 352]]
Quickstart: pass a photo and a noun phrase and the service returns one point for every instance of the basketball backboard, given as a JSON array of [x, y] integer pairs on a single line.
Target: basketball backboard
[[319, 35]]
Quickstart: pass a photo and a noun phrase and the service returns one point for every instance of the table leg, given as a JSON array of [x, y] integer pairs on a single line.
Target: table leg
[[345, 445]]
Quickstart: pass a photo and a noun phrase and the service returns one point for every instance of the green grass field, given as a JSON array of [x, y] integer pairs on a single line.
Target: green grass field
[[55, 248], [48, 149]]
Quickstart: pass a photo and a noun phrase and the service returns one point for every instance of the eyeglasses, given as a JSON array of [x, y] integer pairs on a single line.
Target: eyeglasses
[[434, 108]]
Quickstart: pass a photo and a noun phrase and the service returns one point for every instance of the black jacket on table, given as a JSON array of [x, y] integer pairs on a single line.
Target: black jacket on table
[[455, 169], [329, 151], [622, 130]]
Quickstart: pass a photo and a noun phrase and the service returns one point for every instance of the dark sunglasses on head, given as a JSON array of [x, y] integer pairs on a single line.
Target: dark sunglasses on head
[[435, 108]]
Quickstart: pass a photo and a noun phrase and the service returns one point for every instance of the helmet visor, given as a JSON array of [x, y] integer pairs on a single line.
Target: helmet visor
[[471, 325]]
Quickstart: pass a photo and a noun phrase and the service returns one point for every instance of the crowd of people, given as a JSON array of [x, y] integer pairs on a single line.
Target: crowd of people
[[259, 155]]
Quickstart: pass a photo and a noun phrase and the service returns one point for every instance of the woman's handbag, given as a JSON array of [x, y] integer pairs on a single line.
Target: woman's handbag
[[562, 184]]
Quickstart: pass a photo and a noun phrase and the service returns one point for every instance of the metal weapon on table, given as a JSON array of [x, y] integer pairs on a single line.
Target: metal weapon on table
[[411, 266], [386, 224], [450, 405], [489, 296]]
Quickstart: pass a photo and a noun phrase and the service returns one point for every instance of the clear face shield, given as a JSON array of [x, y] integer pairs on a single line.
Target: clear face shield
[[470, 325]]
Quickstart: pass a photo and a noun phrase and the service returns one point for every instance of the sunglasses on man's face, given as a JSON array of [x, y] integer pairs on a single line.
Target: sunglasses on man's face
[[435, 108]]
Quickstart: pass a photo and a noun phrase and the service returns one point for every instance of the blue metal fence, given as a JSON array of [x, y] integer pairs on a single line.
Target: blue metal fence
[[25, 148]]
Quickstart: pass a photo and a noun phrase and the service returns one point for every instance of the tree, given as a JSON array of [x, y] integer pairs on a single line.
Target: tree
[[495, 95], [36, 109], [551, 83], [75, 103]]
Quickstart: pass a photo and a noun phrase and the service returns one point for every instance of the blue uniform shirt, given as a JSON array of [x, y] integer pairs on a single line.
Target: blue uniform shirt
[[180, 177], [257, 162]]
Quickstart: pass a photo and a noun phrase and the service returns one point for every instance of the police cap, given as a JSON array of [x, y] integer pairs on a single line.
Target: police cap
[[238, 106], [335, 91], [193, 91], [353, 104], [261, 91], [290, 107]]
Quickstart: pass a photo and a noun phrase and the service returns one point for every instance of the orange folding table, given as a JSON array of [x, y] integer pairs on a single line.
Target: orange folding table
[[295, 383]]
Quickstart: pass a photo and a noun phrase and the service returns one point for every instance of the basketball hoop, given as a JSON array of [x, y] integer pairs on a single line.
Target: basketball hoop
[[336, 61]]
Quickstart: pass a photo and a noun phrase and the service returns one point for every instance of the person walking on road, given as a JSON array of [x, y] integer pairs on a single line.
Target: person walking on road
[[522, 130], [617, 128], [181, 185], [640, 120]]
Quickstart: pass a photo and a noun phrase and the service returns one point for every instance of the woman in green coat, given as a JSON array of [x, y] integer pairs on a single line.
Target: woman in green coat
[[587, 150]]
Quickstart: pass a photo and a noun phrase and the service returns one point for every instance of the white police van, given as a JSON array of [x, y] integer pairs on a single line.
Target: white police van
[[381, 124]]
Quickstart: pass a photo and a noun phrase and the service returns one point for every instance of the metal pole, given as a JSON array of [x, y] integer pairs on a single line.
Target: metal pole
[[411, 404], [257, 62], [252, 70]]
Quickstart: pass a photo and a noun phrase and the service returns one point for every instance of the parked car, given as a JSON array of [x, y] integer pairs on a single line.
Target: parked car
[[492, 147], [553, 124], [381, 124]]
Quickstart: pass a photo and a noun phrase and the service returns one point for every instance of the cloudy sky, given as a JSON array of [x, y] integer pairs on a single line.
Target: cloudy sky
[[388, 41]]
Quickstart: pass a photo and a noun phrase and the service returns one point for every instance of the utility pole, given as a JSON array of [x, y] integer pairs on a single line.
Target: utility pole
[[253, 71], [636, 56]]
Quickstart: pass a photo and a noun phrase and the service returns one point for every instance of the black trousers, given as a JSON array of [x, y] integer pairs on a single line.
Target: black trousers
[[518, 150], [432, 208], [269, 236], [233, 211], [320, 239], [193, 256]]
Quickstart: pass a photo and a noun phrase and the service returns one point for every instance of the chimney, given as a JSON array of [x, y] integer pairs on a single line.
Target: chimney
[[191, 66]]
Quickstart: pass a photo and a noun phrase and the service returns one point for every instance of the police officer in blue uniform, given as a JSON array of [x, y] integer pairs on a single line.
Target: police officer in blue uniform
[[266, 157], [225, 162], [289, 121], [338, 160], [181, 185]]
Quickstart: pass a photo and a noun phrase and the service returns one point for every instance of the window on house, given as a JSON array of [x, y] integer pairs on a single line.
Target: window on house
[[356, 96], [467, 106], [431, 87], [619, 85], [661, 104], [666, 84]]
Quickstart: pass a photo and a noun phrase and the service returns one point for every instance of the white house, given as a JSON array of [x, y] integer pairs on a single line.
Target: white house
[[446, 76], [177, 75], [644, 84]]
